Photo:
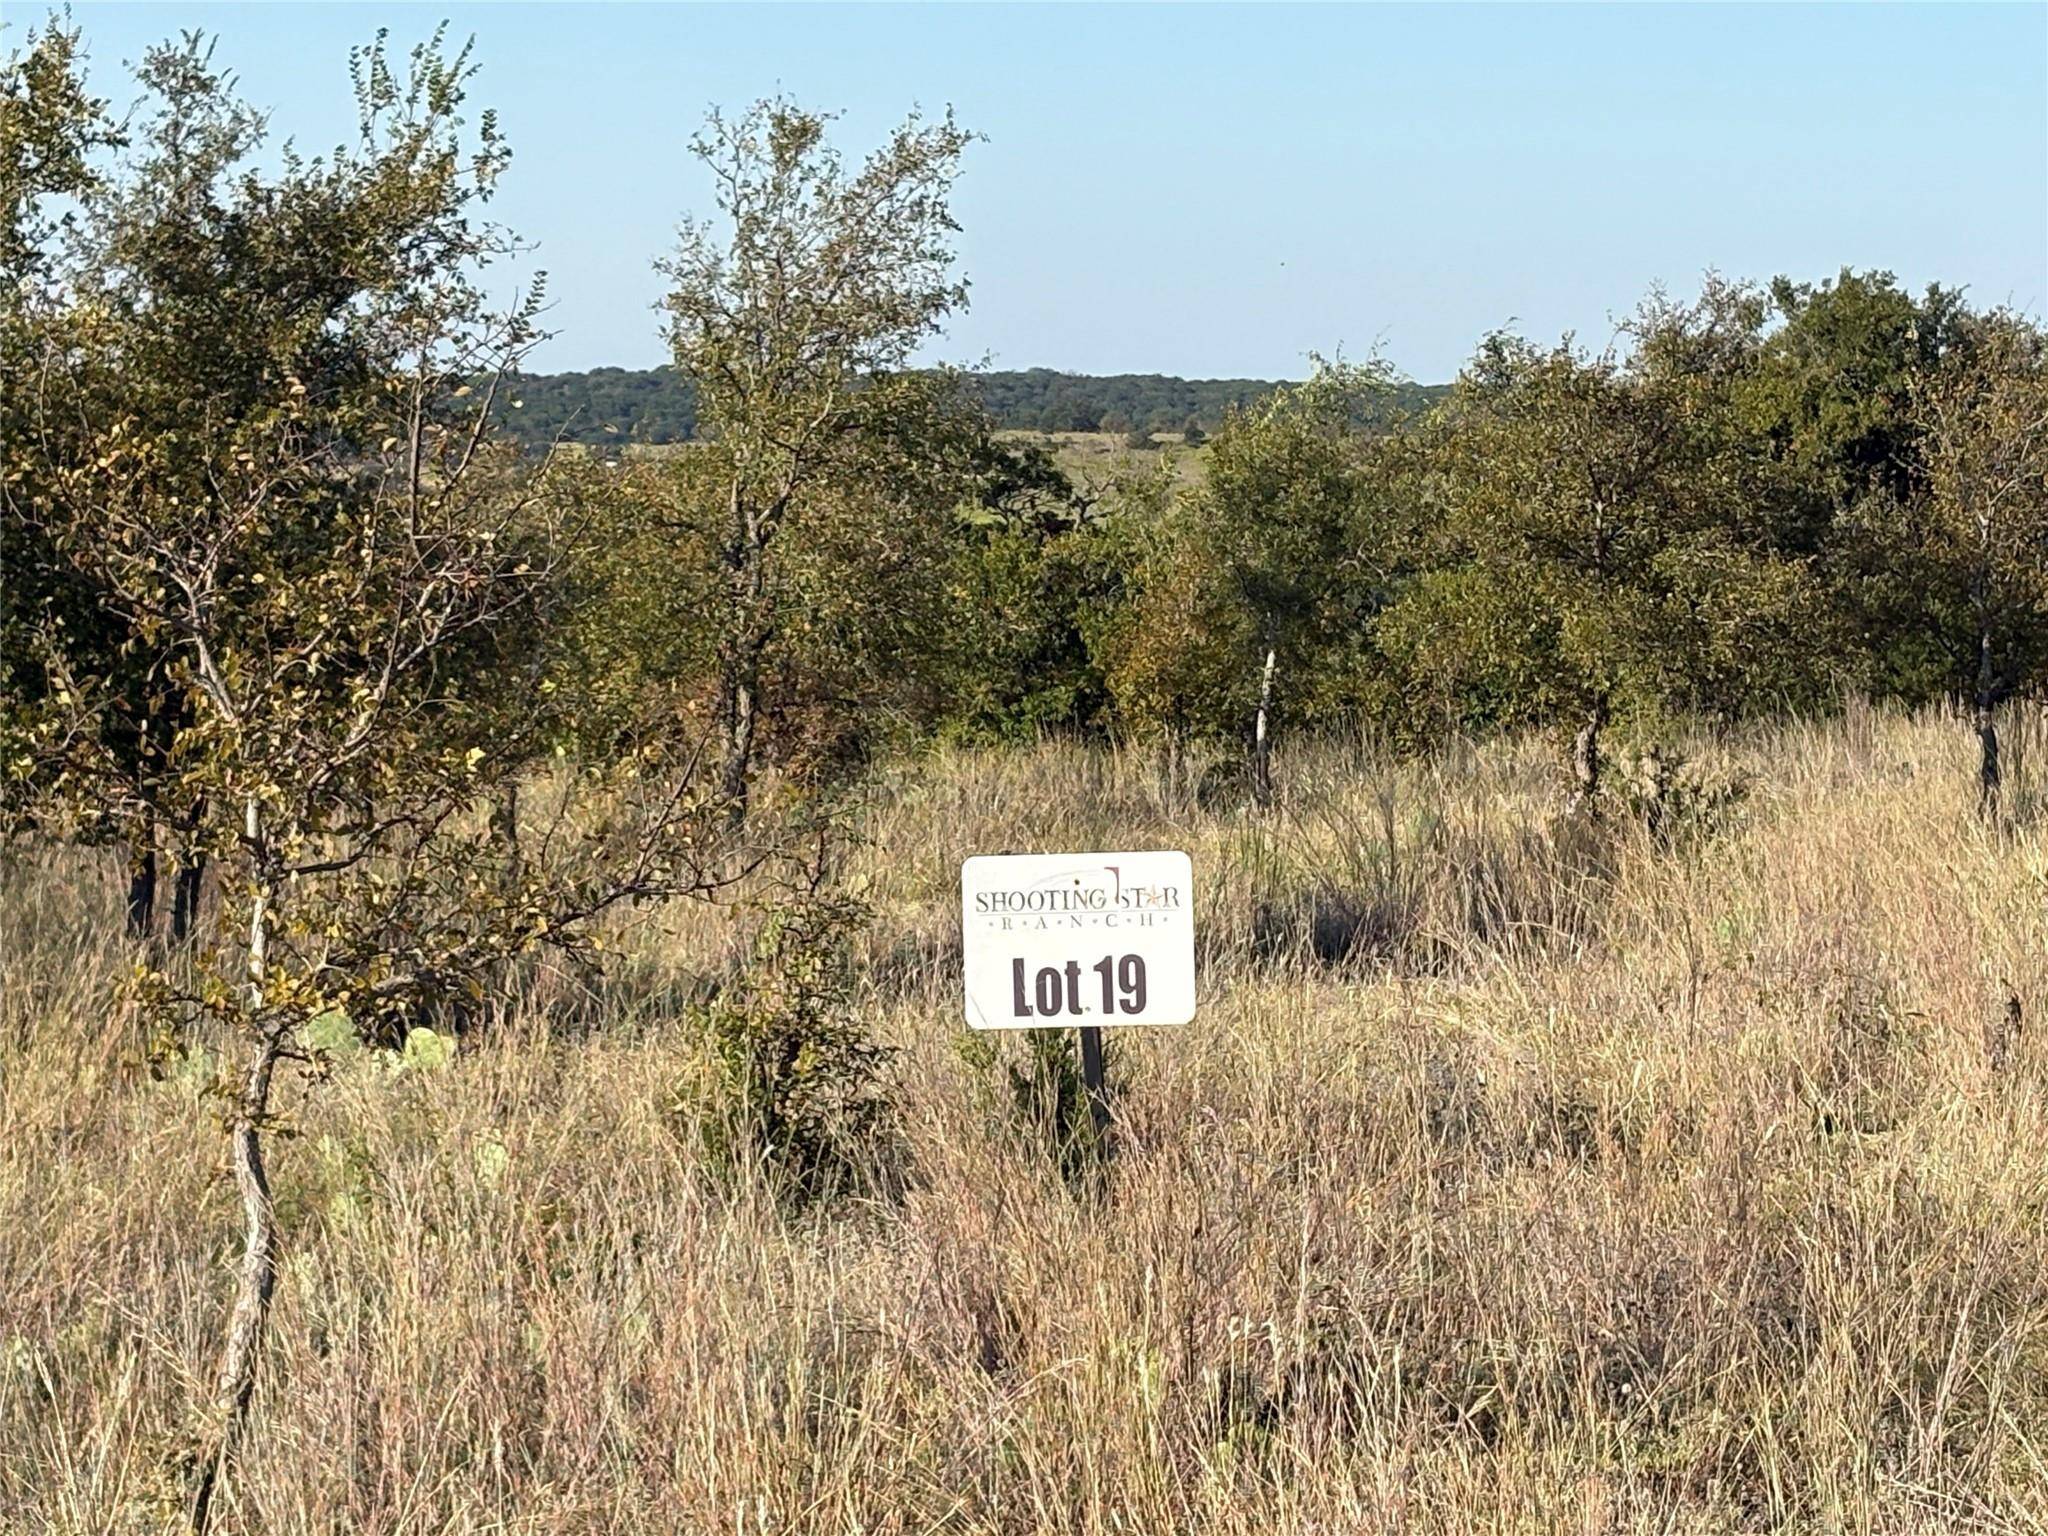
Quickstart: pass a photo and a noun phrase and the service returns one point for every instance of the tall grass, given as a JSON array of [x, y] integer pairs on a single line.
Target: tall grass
[[1512, 1179]]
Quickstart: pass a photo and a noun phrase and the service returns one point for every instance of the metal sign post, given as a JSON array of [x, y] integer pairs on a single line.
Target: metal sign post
[[1091, 1079]]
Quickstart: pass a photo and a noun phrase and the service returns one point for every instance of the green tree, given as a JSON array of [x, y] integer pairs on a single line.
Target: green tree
[[1260, 585], [1602, 538], [1982, 410], [1832, 391], [1166, 640], [1031, 562], [50, 133], [261, 444], [794, 317], [1832, 399]]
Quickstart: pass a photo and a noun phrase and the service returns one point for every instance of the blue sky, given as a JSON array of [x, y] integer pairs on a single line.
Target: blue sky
[[1217, 190]]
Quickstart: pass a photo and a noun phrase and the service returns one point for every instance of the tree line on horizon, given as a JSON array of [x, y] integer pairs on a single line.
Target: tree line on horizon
[[612, 407], [286, 602]]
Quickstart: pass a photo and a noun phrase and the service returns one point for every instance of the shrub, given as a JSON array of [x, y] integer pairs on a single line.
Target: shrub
[[1042, 1099], [792, 1081], [1680, 801]]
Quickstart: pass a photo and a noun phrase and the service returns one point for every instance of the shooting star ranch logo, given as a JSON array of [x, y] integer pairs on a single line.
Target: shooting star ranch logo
[[1076, 901]]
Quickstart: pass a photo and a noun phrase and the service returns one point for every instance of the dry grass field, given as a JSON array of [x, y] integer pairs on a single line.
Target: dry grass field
[[1512, 1179], [1089, 458]]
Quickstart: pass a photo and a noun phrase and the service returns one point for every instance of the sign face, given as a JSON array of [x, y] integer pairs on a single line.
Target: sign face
[[1054, 940]]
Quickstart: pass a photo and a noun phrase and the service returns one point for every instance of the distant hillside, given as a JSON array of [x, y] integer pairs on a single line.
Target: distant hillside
[[652, 405]]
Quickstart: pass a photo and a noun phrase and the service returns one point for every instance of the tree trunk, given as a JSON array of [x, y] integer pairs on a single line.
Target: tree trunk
[[1990, 778], [142, 883], [185, 895], [1586, 758], [505, 830], [235, 1384], [741, 712], [745, 642], [1262, 736], [1655, 775]]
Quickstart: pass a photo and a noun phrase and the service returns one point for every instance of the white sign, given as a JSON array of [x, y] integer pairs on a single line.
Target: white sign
[[1054, 940]]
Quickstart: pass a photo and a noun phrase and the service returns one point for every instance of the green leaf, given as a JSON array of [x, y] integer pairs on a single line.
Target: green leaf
[[491, 1159], [425, 1051], [333, 1032]]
